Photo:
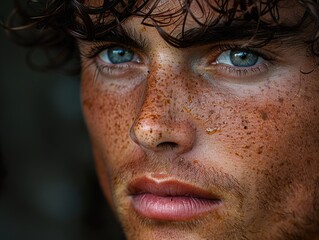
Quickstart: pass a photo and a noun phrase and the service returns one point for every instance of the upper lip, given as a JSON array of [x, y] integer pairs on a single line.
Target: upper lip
[[169, 187]]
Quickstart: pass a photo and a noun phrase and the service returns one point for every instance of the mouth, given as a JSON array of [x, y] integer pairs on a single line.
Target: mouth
[[170, 200]]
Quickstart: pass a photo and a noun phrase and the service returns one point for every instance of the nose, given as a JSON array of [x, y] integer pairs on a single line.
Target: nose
[[160, 125]]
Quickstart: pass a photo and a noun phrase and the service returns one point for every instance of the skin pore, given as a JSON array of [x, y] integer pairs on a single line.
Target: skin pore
[[234, 120]]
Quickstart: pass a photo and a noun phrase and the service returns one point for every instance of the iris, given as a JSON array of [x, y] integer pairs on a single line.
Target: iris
[[117, 55], [243, 58]]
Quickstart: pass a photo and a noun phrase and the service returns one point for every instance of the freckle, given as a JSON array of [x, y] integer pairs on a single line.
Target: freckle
[[87, 103], [245, 127], [281, 100], [309, 161], [260, 150], [195, 161], [264, 115]]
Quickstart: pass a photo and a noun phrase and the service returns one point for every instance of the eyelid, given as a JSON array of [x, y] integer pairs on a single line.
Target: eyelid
[[95, 48], [89, 49]]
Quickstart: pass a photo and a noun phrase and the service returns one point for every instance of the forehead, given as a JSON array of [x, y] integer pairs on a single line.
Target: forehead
[[178, 18]]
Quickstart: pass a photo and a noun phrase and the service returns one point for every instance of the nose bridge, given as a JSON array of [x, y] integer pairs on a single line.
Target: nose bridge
[[159, 93], [158, 123], [156, 114], [164, 87]]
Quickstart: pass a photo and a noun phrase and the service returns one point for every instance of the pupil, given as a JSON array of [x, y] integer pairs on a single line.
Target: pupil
[[121, 53], [242, 55]]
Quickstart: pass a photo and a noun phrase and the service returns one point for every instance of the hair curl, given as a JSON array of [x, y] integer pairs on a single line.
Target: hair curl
[[54, 25]]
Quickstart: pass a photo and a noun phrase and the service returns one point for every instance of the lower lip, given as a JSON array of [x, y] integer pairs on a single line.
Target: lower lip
[[172, 208]]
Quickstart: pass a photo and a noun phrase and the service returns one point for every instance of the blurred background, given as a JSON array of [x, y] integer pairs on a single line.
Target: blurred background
[[50, 190]]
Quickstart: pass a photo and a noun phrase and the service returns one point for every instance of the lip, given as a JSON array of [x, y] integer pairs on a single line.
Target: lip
[[171, 200]]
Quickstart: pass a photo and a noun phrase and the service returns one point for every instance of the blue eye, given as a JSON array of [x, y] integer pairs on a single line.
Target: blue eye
[[239, 58], [117, 55], [243, 58]]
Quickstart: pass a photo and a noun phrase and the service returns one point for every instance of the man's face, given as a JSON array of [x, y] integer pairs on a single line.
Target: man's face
[[214, 141]]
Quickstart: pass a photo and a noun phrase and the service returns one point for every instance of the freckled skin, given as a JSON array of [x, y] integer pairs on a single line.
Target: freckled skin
[[256, 144]]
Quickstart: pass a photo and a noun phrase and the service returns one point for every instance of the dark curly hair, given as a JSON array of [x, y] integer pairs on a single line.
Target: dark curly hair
[[53, 26]]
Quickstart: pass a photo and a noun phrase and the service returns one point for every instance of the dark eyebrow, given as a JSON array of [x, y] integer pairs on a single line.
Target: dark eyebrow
[[125, 36], [215, 34]]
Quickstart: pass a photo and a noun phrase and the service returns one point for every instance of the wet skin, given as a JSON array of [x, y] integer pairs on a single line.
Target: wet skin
[[247, 136]]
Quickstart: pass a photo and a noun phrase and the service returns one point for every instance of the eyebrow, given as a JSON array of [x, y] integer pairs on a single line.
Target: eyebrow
[[125, 36], [258, 36], [210, 35]]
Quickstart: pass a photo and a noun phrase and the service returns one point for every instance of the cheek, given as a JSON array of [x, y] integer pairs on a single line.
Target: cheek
[[278, 123], [269, 141], [276, 148], [272, 132], [108, 118]]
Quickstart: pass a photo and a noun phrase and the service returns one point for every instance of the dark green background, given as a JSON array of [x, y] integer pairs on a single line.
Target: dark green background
[[50, 191]]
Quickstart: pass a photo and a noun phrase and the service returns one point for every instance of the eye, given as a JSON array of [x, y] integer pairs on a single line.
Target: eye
[[118, 55], [239, 58]]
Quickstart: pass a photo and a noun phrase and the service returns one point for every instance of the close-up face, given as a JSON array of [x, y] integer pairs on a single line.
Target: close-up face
[[215, 140]]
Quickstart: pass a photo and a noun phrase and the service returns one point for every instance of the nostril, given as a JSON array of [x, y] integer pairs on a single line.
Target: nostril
[[163, 136], [167, 145]]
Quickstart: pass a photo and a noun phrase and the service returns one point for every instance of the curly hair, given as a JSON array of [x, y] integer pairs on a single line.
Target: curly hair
[[57, 24]]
